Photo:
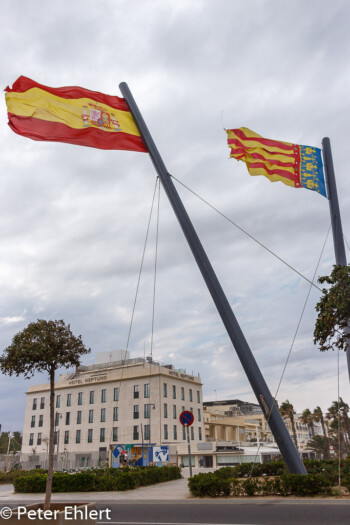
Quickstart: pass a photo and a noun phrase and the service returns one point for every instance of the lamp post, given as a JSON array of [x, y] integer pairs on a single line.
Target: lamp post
[[150, 424], [58, 416]]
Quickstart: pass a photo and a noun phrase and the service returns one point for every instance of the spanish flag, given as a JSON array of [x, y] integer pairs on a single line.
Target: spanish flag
[[294, 165], [71, 114]]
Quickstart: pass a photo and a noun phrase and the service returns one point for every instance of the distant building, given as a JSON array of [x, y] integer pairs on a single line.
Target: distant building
[[131, 406], [235, 427]]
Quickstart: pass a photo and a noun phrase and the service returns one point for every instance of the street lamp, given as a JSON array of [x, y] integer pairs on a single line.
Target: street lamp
[[150, 424], [57, 418]]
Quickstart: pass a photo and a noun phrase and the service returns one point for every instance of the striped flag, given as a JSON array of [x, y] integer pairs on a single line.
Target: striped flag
[[71, 114], [292, 164]]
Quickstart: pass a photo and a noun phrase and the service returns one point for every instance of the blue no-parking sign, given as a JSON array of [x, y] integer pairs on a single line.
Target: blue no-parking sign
[[186, 418]]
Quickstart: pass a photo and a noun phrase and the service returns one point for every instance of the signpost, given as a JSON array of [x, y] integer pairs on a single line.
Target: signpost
[[186, 419]]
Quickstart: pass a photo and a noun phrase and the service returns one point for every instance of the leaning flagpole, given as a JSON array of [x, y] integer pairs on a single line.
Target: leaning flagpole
[[338, 237], [260, 388]]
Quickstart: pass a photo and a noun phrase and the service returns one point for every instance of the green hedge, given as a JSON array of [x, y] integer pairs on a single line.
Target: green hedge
[[10, 476], [214, 485], [329, 468], [273, 468], [97, 480]]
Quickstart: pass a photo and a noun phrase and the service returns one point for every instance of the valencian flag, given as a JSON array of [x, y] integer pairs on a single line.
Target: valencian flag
[[71, 114], [297, 166]]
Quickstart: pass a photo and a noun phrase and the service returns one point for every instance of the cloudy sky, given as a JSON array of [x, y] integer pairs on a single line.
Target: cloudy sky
[[73, 219]]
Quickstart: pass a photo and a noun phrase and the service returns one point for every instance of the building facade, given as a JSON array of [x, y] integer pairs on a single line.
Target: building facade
[[238, 430], [131, 404]]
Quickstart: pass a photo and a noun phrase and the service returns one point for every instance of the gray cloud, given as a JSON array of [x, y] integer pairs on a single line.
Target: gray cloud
[[73, 220]]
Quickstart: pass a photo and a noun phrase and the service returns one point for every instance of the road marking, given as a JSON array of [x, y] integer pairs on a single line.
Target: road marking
[[166, 523]]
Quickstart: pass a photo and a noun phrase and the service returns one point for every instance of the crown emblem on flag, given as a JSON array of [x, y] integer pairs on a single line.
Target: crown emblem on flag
[[97, 116]]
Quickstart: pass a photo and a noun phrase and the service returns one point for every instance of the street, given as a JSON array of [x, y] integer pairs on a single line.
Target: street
[[229, 512]]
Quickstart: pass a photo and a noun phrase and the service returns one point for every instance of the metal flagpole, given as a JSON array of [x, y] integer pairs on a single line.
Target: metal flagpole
[[338, 238], [263, 395]]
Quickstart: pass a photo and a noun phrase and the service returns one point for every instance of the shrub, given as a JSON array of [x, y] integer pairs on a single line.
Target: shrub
[[251, 487], [209, 485], [97, 480], [11, 475], [273, 468], [297, 484], [226, 473], [30, 483]]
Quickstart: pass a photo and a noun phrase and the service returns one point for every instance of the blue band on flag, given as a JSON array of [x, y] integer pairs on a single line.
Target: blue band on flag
[[311, 169]]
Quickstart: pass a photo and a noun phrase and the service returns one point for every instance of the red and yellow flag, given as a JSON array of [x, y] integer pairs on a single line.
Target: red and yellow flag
[[71, 114], [295, 165]]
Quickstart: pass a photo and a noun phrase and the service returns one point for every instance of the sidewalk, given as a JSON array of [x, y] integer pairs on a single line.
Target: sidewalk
[[170, 490]]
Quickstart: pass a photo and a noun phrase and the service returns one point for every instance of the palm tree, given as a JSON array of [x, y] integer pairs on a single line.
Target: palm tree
[[287, 410], [339, 425], [344, 411], [320, 445], [307, 418], [318, 418]]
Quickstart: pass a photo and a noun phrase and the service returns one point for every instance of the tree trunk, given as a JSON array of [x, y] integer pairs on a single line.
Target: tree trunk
[[323, 426], [312, 428], [51, 441], [294, 431]]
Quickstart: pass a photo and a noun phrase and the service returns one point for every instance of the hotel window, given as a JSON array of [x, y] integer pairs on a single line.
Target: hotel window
[[182, 393], [102, 435], [198, 397], [146, 390], [77, 436], [115, 434], [136, 391], [174, 392], [191, 410], [38, 441], [80, 398], [165, 410], [57, 419], [147, 432], [147, 414], [90, 434], [175, 432], [183, 432], [136, 433], [31, 439], [199, 417], [67, 418], [192, 433], [136, 412], [34, 403], [58, 401], [42, 402], [174, 411], [32, 423], [115, 413], [165, 390], [69, 400], [182, 409], [190, 392], [92, 395], [165, 431], [79, 417], [103, 415], [41, 420], [116, 394], [200, 434], [103, 395], [55, 437], [91, 416]]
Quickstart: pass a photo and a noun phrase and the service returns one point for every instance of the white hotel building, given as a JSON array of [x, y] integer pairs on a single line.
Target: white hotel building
[[134, 403]]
